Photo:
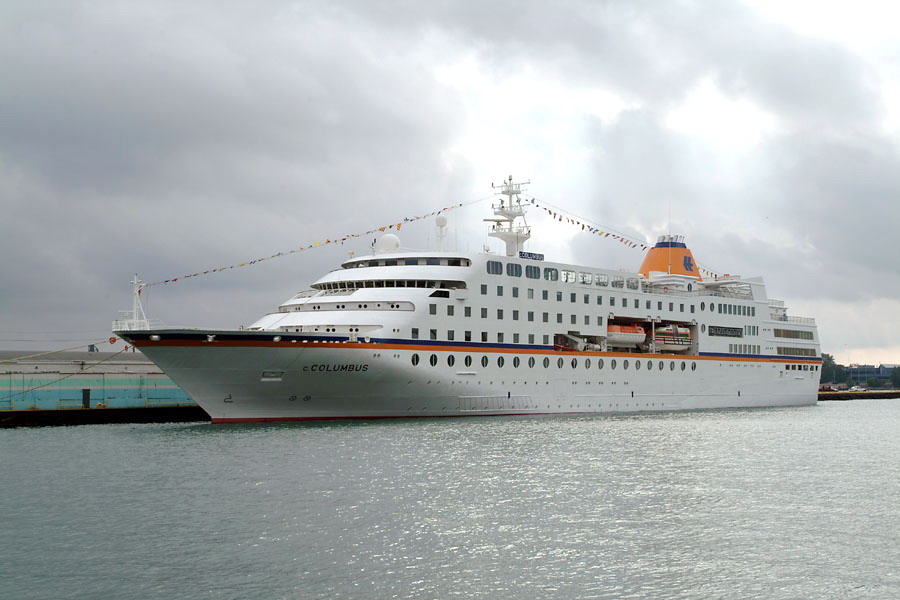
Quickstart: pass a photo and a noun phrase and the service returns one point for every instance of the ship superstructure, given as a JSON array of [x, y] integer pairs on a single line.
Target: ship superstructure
[[402, 333]]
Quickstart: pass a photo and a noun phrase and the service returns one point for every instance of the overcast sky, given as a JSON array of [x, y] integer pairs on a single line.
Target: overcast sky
[[168, 138]]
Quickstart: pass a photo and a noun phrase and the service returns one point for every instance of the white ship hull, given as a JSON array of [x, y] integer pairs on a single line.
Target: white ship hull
[[246, 380]]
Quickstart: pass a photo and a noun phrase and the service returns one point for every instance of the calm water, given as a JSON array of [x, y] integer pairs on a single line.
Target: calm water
[[779, 503]]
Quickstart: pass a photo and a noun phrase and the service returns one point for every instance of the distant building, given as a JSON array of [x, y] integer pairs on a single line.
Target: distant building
[[866, 372]]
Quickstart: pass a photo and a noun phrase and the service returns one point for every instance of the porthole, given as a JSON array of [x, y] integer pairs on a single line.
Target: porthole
[[693, 366], [703, 328], [415, 359], [433, 360], [612, 364], [531, 362], [637, 365], [574, 363], [683, 365], [546, 362], [649, 365], [499, 361], [672, 365], [451, 360], [712, 307], [661, 365], [468, 360], [625, 364], [587, 363], [703, 306], [600, 363], [515, 362], [484, 361]]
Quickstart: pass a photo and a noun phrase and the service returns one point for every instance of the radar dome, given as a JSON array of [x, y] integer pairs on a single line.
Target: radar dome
[[441, 221], [387, 243]]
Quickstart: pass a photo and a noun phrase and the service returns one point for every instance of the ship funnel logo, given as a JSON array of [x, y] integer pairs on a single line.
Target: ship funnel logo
[[688, 263]]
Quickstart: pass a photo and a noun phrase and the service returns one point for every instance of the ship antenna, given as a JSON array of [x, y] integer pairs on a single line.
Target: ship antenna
[[136, 319], [504, 223]]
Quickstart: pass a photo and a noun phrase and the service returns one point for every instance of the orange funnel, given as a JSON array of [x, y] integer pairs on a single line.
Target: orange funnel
[[670, 255]]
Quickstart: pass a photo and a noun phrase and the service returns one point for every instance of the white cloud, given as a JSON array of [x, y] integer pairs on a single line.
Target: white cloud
[[729, 123]]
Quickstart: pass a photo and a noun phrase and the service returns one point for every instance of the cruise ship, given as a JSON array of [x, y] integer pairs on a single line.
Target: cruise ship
[[401, 333]]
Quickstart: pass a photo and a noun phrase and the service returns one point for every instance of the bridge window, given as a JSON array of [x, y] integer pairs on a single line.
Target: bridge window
[[494, 267]]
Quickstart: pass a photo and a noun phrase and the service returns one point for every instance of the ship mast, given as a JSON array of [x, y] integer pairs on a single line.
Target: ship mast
[[504, 223]]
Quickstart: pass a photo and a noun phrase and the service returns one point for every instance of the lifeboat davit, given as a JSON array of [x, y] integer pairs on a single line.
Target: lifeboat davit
[[625, 336], [672, 337]]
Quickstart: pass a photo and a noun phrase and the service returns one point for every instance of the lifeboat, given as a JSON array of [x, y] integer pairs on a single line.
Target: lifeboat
[[625, 336], [672, 337]]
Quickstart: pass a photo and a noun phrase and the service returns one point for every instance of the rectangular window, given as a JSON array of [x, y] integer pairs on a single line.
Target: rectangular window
[[468, 336], [532, 272], [612, 300], [632, 283], [572, 297], [484, 289], [515, 315], [515, 292], [531, 315], [568, 276], [514, 269], [467, 311], [449, 310], [681, 308], [484, 313], [585, 278], [530, 338], [450, 334], [410, 261], [515, 338], [499, 290], [546, 339], [573, 320], [599, 300], [587, 320], [545, 295], [531, 293], [602, 280], [559, 317], [415, 333], [671, 306], [648, 305], [432, 334], [432, 309], [692, 308], [559, 296], [494, 267], [618, 281], [484, 336], [546, 317], [599, 321], [551, 274], [637, 303], [587, 298], [500, 338], [499, 314]]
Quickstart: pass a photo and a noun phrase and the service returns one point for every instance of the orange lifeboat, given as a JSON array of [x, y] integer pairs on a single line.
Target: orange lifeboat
[[625, 336], [672, 337]]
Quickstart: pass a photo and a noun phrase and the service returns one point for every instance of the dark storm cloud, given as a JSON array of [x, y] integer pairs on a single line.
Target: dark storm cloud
[[166, 138]]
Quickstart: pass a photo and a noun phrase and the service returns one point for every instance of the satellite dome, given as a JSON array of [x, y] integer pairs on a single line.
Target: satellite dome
[[387, 243], [441, 221]]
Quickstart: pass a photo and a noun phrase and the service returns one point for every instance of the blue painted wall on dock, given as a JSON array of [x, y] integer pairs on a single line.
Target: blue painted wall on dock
[[42, 391]]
